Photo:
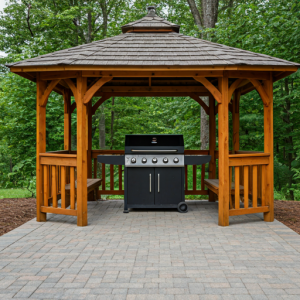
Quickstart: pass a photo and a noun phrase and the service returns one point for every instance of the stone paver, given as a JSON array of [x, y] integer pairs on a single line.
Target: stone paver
[[150, 255]]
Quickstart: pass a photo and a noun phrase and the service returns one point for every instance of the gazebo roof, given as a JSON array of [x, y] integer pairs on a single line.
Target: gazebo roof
[[153, 41]]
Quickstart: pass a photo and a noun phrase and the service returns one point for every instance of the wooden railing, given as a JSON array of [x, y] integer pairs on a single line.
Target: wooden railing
[[116, 172], [249, 172], [59, 173]]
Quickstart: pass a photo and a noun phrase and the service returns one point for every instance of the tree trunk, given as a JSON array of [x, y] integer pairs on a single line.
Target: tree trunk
[[112, 123], [204, 130], [103, 6], [89, 36], [210, 13], [195, 13], [102, 127]]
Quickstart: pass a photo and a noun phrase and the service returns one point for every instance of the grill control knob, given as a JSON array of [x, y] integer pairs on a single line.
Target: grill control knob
[[176, 160], [133, 160], [165, 160], [154, 160], [144, 160]]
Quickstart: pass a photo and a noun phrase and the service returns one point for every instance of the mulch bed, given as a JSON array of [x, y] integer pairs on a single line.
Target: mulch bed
[[15, 212], [288, 213]]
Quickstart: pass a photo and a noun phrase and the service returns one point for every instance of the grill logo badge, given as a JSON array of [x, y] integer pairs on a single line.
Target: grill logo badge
[[154, 140]]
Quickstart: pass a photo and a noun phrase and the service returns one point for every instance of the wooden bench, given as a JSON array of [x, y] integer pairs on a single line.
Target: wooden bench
[[213, 185], [92, 186]]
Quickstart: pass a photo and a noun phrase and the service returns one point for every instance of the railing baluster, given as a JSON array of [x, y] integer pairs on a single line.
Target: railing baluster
[[111, 169], [103, 177], [194, 177], [54, 195], [246, 186], [202, 177], [263, 184], [254, 189], [237, 187], [46, 185], [231, 205], [50, 182], [120, 178], [95, 167], [72, 187], [63, 186]]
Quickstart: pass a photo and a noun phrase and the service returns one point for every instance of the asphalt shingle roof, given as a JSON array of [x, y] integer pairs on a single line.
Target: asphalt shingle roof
[[153, 49]]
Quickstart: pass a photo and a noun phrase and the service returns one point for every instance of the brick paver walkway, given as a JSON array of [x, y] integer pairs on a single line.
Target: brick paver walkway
[[150, 255]]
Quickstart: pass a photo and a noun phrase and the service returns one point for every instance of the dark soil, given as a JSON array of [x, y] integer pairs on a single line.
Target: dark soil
[[15, 212], [288, 213]]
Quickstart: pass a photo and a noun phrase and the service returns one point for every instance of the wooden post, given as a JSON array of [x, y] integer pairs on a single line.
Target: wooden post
[[236, 121], [81, 153], [268, 148], [67, 120], [212, 144], [224, 192], [40, 147], [89, 138]]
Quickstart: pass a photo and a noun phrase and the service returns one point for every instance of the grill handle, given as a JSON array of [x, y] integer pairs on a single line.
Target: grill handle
[[158, 185], [150, 183], [151, 151]]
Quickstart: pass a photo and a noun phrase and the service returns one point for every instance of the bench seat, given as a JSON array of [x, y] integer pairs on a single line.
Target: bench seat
[[92, 185], [213, 185]]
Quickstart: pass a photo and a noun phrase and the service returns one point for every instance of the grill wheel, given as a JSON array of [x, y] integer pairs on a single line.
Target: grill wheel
[[182, 207]]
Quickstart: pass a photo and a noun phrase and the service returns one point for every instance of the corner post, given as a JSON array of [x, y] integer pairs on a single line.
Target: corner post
[[212, 144], [81, 152], [268, 148], [224, 181], [67, 120], [40, 147], [236, 121]]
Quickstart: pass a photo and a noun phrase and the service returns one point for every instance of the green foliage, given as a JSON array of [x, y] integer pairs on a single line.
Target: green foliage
[[269, 27]]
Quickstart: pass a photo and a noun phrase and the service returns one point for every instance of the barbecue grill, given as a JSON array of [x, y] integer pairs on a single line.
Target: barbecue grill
[[154, 171]]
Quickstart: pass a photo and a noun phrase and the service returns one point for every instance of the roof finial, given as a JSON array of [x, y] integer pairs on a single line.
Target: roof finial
[[151, 10]]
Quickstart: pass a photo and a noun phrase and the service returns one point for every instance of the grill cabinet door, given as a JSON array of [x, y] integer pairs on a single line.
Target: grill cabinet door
[[138, 186], [168, 186]]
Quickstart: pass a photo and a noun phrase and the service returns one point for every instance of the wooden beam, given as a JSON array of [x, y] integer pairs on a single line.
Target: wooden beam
[[67, 120], [155, 89], [40, 147], [261, 75], [260, 89], [72, 86], [59, 211], [269, 148], [201, 102], [236, 121], [199, 69], [59, 75], [224, 180], [92, 90], [81, 152], [214, 91], [99, 102], [250, 210], [233, 87], [212, 144], [281, 75], [47, 92], [149, 94]]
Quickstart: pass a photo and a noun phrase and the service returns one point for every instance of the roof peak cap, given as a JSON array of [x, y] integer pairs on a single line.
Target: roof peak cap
[[151, 11]]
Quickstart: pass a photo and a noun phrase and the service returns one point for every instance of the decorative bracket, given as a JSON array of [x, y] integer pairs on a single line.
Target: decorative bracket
[[201, 102], [260, 89], [47, 92], [93, 89], [215, 92]]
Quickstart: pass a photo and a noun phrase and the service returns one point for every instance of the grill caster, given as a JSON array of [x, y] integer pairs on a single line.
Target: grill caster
[[125, 211], [182, 207]]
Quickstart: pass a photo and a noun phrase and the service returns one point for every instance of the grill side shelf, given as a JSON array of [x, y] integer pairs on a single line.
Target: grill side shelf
[[111, 159], [196, 159]]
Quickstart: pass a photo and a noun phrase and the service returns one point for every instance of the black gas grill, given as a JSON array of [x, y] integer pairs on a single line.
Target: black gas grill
[[154, 171]]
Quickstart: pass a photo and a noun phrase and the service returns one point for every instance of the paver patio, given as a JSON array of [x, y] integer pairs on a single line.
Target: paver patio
[[150, 255]]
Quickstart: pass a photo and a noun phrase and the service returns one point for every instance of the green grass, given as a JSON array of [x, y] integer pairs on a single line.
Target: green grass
[[14, 193]]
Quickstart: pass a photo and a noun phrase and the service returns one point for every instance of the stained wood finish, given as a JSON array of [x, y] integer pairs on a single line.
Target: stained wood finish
[[92, 90], [223, 153], [81, 152], [262, 91], [236, 121], [47, 92], [67, 120], [251, 210], [268, 148], [59, 211], [214, 91], [40, 148]]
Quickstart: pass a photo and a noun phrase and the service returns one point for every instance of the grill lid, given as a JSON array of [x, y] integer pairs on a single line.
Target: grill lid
[[154, 143]]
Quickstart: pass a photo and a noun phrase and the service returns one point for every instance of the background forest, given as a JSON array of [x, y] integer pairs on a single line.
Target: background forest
[[31, 28]]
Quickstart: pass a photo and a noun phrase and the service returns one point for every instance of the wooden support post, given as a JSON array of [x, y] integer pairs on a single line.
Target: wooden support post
[[268, 148], [224, 192], [212, 144], [81, 152], [40, 147], [67, 120], [236, 121]]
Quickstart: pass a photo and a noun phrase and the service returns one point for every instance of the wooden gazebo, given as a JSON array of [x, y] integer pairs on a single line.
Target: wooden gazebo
[[151, 58]]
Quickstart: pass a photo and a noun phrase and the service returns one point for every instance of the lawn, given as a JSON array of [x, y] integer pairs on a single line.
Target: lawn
[[14, 193]]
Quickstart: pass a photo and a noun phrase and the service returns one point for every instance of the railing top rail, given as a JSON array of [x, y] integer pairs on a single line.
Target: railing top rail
[[249, 155], [60, 155]]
